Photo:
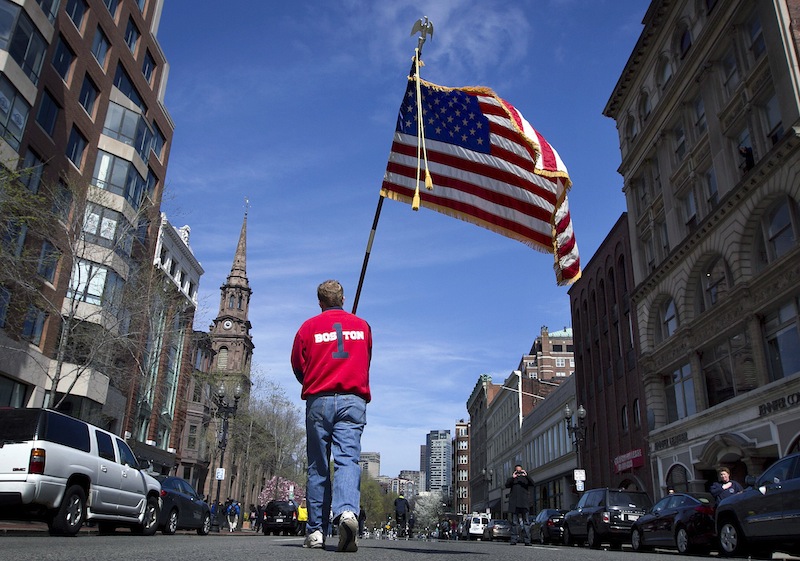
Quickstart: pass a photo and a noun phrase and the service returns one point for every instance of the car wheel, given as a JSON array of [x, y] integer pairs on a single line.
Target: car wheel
[[592, 537], [542, 539], [149, 523], [172, 523], [637, 540], [567, 536], [206, 527], [682, 541], [731, 539], [68, 519]]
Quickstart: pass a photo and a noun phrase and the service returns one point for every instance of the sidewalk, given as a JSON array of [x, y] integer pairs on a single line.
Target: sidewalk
[[23, 528]]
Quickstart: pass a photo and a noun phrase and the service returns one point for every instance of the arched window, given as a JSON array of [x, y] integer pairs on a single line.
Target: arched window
[[624, 418], [222, 358], [637, 414], [644, 106], [779, 231], [677, 479], [631, 128], [684, 41], [231, 301], [664, 71]]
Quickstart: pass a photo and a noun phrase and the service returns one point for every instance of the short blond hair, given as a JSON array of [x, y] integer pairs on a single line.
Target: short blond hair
[[330, 294]]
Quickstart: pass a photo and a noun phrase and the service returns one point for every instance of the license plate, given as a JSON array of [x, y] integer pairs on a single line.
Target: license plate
[[633, 517], [279, 520]]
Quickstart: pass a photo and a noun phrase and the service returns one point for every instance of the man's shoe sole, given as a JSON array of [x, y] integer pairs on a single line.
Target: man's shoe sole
[[347, 536]]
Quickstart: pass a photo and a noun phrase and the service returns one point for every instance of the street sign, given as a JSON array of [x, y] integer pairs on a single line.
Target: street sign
[[220, 474], [579, 486], [579, 475]]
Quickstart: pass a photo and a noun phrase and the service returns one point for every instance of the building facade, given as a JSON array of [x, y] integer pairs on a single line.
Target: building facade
[[371, 464], [440, 467], [82, 86], [608, 381], [551, 356], [461, 502], [707, 110]]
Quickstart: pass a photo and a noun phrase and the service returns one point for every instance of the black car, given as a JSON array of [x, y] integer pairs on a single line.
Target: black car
[[684, 521], [548, 526], [182, 508], [764, 517], [280, 517], [605, 515]]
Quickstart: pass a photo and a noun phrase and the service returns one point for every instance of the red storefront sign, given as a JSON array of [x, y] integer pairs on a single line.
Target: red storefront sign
[[628, 460]]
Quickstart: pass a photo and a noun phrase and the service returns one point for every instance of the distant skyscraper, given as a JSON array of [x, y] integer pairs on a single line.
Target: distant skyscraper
[[438, 476], [370, 463]]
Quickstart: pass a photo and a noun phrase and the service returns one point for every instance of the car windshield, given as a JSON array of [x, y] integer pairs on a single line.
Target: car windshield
[[629, 499], [279, 508]]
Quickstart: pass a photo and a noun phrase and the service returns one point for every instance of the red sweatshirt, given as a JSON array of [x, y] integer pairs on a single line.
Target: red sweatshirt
[[332, 353]]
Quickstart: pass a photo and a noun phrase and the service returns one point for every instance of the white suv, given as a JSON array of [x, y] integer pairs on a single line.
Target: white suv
[[65, 471], [474, 524]]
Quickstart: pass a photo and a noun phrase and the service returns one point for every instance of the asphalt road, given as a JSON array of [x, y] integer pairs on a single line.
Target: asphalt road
[[36, 546]]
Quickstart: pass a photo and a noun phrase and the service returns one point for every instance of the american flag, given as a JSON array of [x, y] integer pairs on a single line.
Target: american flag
[[488, 166]]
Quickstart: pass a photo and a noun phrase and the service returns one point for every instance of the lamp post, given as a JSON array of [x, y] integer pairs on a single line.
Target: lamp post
[[488, 475], [224, 410], [578, 433]]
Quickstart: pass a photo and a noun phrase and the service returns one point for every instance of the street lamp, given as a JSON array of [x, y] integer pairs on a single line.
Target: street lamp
[[488, 475], [576, 430], [224, 410]]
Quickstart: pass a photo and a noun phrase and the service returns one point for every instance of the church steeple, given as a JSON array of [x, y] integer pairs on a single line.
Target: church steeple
[[230, 330]]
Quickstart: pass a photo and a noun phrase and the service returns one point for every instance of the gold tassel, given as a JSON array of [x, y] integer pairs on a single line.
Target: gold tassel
[[415, 201], [428, 180]]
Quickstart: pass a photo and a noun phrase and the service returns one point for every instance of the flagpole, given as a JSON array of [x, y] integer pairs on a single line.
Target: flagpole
[[425, 28], [366, 255]]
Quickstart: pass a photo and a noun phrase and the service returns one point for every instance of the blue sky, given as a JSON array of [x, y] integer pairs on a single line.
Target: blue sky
[[292, 105]]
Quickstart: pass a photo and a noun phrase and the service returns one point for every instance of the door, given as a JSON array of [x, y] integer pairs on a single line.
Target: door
[[105, 490], [132, 488]]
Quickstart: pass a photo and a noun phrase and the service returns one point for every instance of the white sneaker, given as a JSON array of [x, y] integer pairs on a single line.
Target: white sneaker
[[314, 540], [348, 531]]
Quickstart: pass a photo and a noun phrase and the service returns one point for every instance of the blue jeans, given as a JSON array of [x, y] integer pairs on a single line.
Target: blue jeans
[[520, 519], [334, 423]]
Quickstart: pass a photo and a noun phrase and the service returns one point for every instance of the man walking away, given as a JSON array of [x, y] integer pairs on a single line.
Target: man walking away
[[518, 501], [331, 356]]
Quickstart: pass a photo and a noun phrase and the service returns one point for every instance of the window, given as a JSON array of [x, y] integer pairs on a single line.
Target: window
[[129, 127], [745, 151], [631, 128], [680, 143], [124, 84], [783, 341], [730, 68], [101, 224], [561, 363], [669, 319], [713, 283], [191, 441], [685, 41], [158, 142], [76, 146], [644, 106], [772, 114], [664, 72], [13, 113], [637, 415], [779, 230], [100, 47], [76, 9], [712, 194], [689, 204], [728, 368], [95, 284], [33, 326], [48, 113], [679, 390], [624, 418], [119, 176], [62, 58], [88, 95], [132, 36], [148, 66], [62, 201], [699, 115], [48, 260], [28, 47], [50, 8], [757, 46], [32, 169], [112, 6]]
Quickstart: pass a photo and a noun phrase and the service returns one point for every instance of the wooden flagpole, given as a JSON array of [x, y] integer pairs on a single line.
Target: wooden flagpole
[[425, 28]]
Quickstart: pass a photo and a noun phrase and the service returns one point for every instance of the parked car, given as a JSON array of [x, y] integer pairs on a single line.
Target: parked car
[[280, 517], [764, 517], [684, 521], [474, 525], [65, 472], [548, 526], [182, 508], [605, 515], [497, 529]]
